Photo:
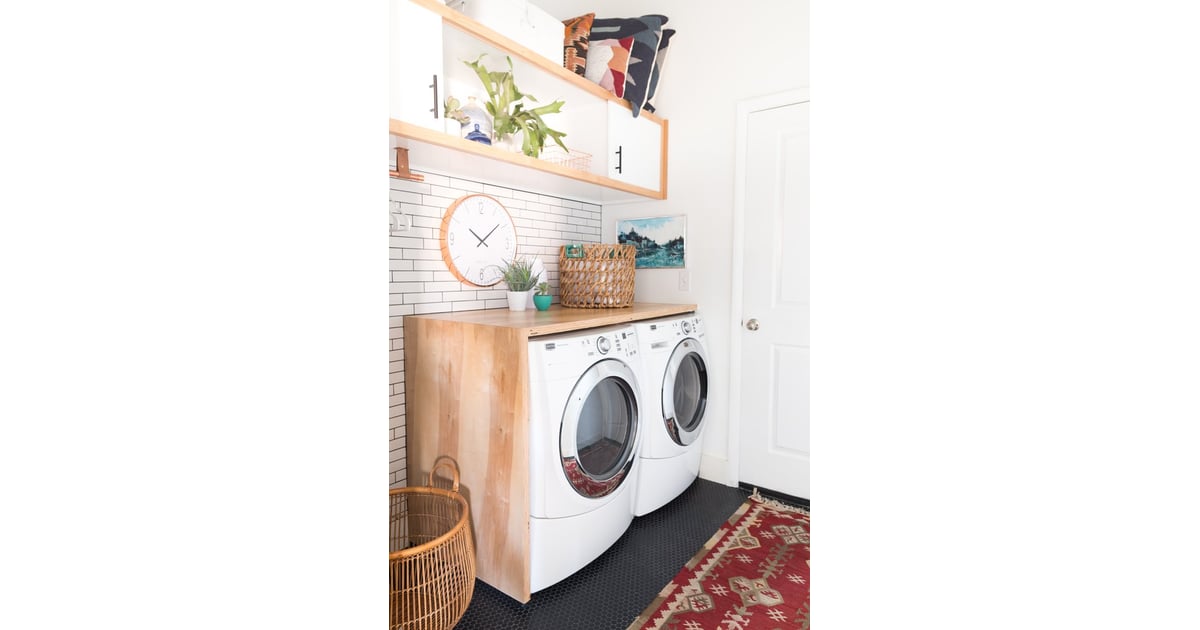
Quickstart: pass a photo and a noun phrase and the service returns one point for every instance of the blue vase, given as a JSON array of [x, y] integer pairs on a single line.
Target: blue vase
[[542, 302], [479, 127]]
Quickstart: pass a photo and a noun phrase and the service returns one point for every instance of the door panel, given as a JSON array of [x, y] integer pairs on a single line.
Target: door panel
[[774, 361]]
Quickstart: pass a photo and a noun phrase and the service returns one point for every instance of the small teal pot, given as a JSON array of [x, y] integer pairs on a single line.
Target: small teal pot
[[542, 302]]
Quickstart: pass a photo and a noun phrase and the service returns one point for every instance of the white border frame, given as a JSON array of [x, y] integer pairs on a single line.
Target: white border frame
[[737, 265]]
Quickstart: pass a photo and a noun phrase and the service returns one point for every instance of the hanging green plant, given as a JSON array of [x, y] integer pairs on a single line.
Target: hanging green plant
[[509, 114]]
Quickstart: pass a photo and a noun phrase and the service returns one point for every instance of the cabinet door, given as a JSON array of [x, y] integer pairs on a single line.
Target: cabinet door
[[415, 68], [634, 148]]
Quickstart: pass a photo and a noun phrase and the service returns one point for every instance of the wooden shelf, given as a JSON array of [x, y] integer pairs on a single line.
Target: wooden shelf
[[462, 145], [449, 154], [498, 40]]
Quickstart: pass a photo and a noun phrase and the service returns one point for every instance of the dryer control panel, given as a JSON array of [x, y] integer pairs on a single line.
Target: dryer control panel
[[666, 334]]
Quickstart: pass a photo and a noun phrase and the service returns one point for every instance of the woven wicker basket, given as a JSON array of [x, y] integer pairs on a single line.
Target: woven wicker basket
[[432, 558], [601, 278]]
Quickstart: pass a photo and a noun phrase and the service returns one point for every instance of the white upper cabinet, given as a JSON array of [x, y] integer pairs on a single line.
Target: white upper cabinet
[[429, 43], [415, 68], [635, 148]]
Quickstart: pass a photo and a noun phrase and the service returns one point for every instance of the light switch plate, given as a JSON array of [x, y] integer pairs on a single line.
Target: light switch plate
[[685, 280]]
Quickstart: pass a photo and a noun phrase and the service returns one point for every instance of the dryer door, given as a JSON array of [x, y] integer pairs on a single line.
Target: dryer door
[[598, 437], [685, 392]]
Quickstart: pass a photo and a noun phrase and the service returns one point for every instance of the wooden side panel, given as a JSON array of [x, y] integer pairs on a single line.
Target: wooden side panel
[[467, 390]]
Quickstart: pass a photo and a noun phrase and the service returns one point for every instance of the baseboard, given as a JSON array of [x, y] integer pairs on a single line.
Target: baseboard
[[778, 496], [716, 469]]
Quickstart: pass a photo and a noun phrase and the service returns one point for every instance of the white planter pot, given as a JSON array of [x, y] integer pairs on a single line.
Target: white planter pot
[[518, 300]]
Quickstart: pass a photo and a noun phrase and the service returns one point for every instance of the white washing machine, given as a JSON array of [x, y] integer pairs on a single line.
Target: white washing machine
[[675, 393], [585, 430]]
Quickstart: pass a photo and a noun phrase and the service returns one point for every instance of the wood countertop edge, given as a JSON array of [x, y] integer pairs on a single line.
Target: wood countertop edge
[[559, 319]]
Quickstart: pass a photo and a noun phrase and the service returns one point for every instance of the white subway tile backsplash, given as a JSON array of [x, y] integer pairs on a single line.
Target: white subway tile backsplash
[[473, 305], [404, 196], [444, 191], [422, 298], [405, 287], [465, 185], [421, 254], [412, 276], [436, 307], [434, 179], [497, 191], [423, 210], [421, 283], [443, 286], [408, 185]]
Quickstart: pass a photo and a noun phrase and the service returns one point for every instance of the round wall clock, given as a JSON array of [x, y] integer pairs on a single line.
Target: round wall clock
[[478, 237]]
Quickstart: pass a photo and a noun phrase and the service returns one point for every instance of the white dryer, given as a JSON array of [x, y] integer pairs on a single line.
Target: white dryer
[[675, 388], [585, 431]]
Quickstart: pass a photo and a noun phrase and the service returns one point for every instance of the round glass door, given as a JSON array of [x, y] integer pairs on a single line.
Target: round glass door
[[599, 429], [685, 392]]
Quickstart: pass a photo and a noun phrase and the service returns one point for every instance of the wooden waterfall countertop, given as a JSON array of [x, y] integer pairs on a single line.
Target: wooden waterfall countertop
[[558, 319], [468, 397]]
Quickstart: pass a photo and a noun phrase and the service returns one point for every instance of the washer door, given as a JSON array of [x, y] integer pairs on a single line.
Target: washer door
[[598, 436], [685, 392]]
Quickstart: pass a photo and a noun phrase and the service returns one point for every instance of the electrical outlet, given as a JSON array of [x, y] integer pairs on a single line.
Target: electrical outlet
[[685, 280]]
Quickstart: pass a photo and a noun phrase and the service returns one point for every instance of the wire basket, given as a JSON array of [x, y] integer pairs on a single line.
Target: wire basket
[[596, 275], [577, 160], [431, 556]]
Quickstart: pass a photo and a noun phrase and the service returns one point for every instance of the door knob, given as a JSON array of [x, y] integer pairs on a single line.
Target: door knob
[[752, 324]]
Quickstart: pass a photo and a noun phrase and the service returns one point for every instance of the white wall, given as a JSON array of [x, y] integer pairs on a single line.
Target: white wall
[[718, 56]]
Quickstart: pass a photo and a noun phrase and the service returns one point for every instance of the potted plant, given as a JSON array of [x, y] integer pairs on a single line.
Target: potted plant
[[518, 274], [509, 114], [542, 298]]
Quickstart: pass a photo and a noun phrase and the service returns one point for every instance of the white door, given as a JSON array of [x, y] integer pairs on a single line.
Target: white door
[[772, 339]]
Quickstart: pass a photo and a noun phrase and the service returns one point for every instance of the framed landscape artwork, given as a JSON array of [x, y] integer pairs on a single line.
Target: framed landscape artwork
[[659, 240]]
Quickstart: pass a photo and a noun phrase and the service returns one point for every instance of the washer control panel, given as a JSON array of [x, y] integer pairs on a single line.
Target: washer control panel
[[618, 343]]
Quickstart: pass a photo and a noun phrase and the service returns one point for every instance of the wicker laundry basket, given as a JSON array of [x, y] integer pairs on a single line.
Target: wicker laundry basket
[[432, 557], [596, 275]]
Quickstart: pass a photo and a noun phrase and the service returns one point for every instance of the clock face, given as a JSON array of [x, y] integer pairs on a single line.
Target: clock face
[[478, 236]]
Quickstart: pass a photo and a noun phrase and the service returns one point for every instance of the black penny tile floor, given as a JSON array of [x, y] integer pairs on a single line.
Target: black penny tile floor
[[612, 591]]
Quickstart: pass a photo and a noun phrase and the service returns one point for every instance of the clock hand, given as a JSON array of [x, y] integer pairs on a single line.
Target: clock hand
[[477, 237], [490, 233]]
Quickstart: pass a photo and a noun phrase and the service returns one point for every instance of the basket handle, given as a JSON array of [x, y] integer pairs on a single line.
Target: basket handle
[[445, 461]]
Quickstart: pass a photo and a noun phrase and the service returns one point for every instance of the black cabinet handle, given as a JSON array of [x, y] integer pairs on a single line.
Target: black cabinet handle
[[619, 158], [435, 98]]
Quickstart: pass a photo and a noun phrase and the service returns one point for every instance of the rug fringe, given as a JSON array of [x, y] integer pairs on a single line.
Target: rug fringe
[[783, 507]]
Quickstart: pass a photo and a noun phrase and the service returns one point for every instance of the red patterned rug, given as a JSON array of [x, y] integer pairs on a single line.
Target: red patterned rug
[[753, 573]]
